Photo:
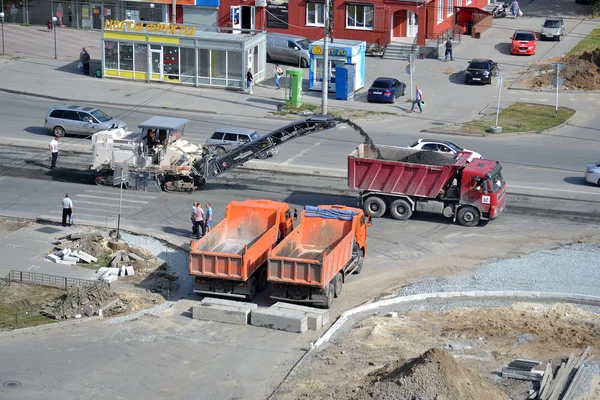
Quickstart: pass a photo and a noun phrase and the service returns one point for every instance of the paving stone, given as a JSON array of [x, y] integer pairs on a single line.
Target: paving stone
[[130, 271], [225, 302], [279, 319], [222, 313], [291, 306]]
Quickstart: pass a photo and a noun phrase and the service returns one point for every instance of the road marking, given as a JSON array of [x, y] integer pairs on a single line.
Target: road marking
[[303, 152], [547, 169], [13, 246], [553, 190], [111, 198], [86, 215], [124, 194], [100, 204]]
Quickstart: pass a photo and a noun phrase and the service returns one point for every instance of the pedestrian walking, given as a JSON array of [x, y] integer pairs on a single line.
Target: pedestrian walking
[[448, 50], [84, 57], [277, 74], [54, 151], [249, 81], [67, 213], [514, 8], [192, 218], [418, 100], [208, 217], [199, 220]]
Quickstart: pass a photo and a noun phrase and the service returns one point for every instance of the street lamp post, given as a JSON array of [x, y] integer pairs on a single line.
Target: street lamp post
[[152, 12], [54, 19], [2, 16]]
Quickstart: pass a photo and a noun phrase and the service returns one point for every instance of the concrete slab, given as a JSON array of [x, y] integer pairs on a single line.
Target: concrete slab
[[291, 306], [222, 313], [88, 258], [52, 258], [115, 261], [135, 257], [280, 320], [66, 262], [102, 270], [225, 302], [70, 258], [130, 271], [110, 278]]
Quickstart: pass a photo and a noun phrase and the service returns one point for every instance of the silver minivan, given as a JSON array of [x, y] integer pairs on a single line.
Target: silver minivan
[[79, 120], [288, 49], [553, 28], [226, 139]]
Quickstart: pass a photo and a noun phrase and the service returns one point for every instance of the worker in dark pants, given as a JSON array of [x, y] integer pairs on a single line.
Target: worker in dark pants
[[67, 206], [199, 221]]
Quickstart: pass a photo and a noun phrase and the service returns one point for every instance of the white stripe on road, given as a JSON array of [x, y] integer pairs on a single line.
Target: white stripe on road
[[124, 194], [553, 190], [303, 152], [110, 198], [115, 211], [116, 205]]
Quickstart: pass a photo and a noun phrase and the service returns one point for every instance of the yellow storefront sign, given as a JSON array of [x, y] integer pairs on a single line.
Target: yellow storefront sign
[[333, 51], [167, 29]]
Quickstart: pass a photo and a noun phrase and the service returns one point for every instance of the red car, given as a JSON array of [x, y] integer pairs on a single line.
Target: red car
[[523, 42]]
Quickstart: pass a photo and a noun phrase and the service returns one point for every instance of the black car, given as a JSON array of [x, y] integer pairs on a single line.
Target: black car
[[385, 90], [481, 71]]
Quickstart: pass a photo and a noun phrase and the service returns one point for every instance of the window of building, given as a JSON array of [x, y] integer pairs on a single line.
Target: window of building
[[111, 55], [469, 2], [204, 66], [450, 6], [315, 14], [440, 11], [125, 57], [187, 65], [359, 16], [458, 3], [234, 68], [171, 62], [218, 67], [141, 57]]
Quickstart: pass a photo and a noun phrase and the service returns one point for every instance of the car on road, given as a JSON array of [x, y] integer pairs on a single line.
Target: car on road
[[553, 28], [523, 42], [481, 70], [592, 173], [226, 139], [67, 119], [385, 90], [441, 146]]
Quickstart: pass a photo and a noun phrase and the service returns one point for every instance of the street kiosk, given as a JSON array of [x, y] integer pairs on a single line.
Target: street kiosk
[[341, 52]]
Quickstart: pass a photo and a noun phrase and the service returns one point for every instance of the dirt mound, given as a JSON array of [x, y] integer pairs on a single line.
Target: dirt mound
[[81, 300], [580, 72], [434, 375], [427, 158]]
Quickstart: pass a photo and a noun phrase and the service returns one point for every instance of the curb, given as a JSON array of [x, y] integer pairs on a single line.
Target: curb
[[568, 297], [50, 326]]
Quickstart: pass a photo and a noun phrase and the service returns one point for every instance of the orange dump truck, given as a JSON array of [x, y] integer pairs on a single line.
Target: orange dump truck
[[311, 264], [232, 257]]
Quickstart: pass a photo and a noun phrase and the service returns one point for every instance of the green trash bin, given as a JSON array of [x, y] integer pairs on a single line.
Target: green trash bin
[[98, 73], [293, 86]]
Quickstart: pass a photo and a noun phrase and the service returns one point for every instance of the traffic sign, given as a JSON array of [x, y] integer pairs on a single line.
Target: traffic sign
[[500, 81], [561, 81], [411, 57], [410, 69], [558, 66]]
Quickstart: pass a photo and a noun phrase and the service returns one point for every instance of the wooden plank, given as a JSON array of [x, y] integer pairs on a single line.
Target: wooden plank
[[582, 357], [555, 380], [546, 391], [564, 376], [533, 395], [573, 384], [547, 373]]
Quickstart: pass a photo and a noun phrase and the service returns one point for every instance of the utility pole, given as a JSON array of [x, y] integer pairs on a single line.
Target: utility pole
[[120, 202], [325, 91], [174, 13]]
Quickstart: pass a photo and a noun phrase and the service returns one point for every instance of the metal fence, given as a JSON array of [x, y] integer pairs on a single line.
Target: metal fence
[[62, 282]]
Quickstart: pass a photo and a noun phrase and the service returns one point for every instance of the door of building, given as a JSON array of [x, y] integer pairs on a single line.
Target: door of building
[[97, 16], [248, 17], [412, 24], [156, 63], [234, 18]]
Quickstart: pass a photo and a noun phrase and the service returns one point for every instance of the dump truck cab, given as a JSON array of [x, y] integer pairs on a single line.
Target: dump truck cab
[[483, 187]]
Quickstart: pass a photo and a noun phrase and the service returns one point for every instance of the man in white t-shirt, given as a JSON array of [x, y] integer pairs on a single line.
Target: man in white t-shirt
[[54, 150], [67, 206]]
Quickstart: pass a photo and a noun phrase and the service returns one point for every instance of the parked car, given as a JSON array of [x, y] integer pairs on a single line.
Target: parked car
[[592, 173], [553, 28], [226, 139], [523, 42], [66, 119], [385, 90], [441, 146], [481, 70], [288, 49]]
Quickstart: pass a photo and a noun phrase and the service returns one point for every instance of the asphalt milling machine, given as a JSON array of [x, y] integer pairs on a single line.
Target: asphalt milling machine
[[158, 158]]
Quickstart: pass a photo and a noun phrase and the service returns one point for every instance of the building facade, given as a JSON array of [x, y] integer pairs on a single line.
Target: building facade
[[374, 21]]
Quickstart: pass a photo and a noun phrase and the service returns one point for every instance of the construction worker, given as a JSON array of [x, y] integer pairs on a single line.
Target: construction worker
[[208, 217], [199, 220], [151, 141]]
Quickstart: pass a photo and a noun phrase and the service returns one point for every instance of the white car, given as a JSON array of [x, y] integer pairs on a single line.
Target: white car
[[441, 146], [592, 173]]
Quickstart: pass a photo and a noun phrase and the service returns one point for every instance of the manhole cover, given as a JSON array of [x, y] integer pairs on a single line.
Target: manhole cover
[[11, 384]]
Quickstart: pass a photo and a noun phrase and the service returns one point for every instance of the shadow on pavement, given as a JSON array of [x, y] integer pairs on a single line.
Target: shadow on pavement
[[457, 78], [38, 130], [576, 180], [503, 48], [178, 231]]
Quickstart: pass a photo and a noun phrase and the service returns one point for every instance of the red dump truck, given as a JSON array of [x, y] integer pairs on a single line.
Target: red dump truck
[[232, 258], [311, 264], [401, 181]]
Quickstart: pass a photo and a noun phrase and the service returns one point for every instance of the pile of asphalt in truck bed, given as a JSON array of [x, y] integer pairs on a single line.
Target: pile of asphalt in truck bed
[[428, 158]]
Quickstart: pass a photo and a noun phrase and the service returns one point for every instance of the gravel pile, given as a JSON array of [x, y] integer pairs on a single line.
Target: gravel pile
[[428, 158], [569, 269]]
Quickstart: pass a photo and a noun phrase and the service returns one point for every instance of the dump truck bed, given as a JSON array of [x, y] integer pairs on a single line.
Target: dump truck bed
[[239, 244], [402, 170], [319, 247]]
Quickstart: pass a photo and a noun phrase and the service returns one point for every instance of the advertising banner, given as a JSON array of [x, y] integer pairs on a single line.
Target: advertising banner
[[277, 14]]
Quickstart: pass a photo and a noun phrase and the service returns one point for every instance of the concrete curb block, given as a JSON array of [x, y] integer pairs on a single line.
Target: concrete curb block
[[568, 297], [50, 326]]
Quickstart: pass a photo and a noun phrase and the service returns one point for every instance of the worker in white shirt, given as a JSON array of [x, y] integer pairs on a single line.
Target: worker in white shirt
[[54, 150], [67, 206]]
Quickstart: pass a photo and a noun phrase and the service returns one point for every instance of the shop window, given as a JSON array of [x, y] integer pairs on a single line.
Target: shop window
[[187, 64], [315, 14], [141, 57], [171, 62], [125, 57], [218, 67], [111, 55], [234, 69], [204, 66], [359, 16]]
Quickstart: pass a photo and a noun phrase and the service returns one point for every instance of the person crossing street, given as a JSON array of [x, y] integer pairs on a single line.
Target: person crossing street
[[54, 151]]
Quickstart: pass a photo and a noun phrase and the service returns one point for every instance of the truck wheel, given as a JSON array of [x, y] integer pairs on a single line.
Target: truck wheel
[[262, 279], [468, 216], [375, 206], [401, 210], [339, 282], [252, 287], [359, 261], [329, 296]]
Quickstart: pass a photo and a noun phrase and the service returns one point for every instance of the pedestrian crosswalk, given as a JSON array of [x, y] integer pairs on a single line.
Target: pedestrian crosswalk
[[100, 207]]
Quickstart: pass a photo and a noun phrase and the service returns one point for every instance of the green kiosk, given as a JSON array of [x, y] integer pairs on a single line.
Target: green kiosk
[[293, 87]]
